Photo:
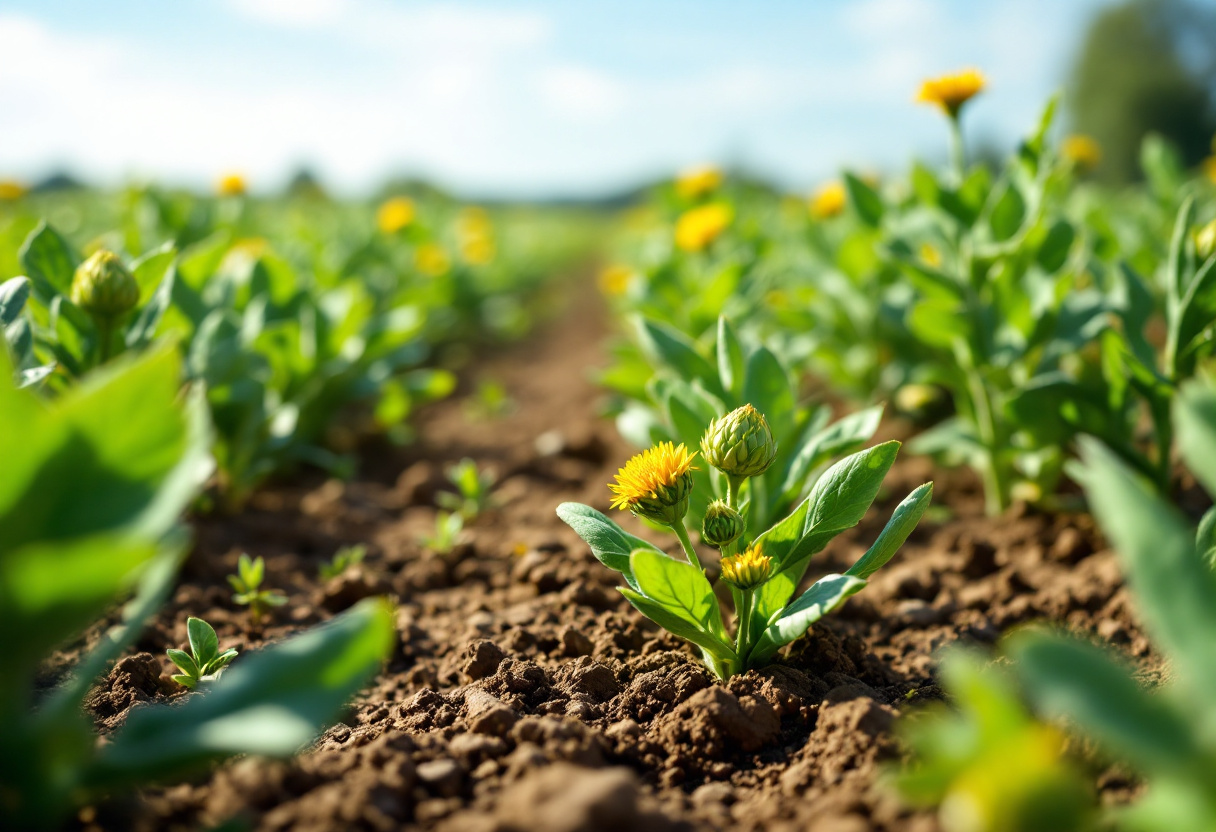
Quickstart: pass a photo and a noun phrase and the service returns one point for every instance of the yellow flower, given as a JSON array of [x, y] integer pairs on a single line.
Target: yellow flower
[[930, 255], [698, 227], [11, 190], [655, 483], [748, 569], [1083, 151], [473, 222], [432, 260], [828, 201], [615, 279], [697, 182], [951, 92], [251, 247], [477, 250], [395, 214], [230, 184]]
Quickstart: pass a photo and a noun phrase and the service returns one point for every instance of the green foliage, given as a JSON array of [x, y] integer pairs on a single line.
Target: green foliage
[[448, 526], [204, 662], [473, 488], [678, 596], [343, 559], [249, 593]]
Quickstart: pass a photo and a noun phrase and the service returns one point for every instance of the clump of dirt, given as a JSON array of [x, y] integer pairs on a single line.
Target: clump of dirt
[[526, 694]]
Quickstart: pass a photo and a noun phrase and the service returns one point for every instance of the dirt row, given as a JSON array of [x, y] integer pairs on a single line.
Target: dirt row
[[525, 694]]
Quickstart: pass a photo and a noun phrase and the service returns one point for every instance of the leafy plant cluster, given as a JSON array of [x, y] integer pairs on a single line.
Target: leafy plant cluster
[[1009, 308], [1000, 762]]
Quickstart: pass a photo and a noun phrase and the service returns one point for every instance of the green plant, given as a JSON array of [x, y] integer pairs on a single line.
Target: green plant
[[677, 391], [204, 662], [1162, 735], [343, 559], [659, 485], [448, 526], [473, 486], [249, 593], [95, 483], [19, 334]]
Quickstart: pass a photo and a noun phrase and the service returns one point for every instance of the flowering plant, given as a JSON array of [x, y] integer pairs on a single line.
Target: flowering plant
[[761, 574]]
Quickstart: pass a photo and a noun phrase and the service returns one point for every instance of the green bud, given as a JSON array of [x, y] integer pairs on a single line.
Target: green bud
[[1205, 241], [103, 287], [669, 503], [722, 524], [740, 443]]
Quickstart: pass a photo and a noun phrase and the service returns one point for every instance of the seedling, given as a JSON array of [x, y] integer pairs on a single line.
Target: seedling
[[248, 585], [204, 662], [474, 487], [762, 574], [343, 559], [448, 526]]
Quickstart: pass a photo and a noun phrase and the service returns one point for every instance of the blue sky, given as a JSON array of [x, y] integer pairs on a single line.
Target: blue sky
[[507, 98]]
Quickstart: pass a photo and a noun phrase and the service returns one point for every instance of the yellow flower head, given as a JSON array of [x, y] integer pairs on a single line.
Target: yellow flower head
[[11, 190], [1083, 151], [698, 227], [477, 250], [930, 255], [828, 201], [230, 184], [697, 182], [473, 221], [951, 92], [615, 279], [395, 214], [432, 260], [748, 569], [655, 483]]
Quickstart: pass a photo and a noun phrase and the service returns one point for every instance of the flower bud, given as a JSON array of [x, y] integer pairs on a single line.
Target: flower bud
[[721, 525], [103, 287], [1205, 241], [740, 443], [748, 569]]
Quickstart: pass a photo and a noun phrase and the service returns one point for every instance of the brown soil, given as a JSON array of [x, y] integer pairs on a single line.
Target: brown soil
[[526, 694]]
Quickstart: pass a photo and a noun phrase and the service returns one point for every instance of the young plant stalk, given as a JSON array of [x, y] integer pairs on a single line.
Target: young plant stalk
[[762, 574]]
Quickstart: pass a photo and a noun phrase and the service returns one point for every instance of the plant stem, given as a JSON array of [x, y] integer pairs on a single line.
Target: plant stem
[[105, 333], [743, 636], [691, 553], [958, 158], [733, 486]]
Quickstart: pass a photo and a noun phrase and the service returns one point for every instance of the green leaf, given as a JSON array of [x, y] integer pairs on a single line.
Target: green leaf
[[904, 519], [1008, 214], [1072, 680], [610, 544], [1195, 424], [184, 661], [842, 495], [143, 328], [665, 346], [204, 643], [1053, 251], [184, 680], [730, 359], [1174, 589], [13, 295], [679, 626], [767, 387], [841, 437], [151, 269], [681, 589], [824, 596], [49, 261], [273, 703], [865, 199]]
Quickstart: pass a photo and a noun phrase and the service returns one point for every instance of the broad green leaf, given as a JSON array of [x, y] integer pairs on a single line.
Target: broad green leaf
[[1008, 214], [1195, 424], [204, 643], [681, 589], [13, 295], [865, 199], [185, 661], [841, 437], [1053, 251], [938, 323], [843, 494], [667, 347], [609, 543], [767, 387], [19, 338], [271, 703], [148, 319], [824, 596], [680, 626], [1174, 589], [1072, 680], [150, 270], [780, 541], [904, 519], [49, 261]]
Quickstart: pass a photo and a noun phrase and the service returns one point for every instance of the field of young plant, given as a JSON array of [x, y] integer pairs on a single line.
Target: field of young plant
[[885, 508]]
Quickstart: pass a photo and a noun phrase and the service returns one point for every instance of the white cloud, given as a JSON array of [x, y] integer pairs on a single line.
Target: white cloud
[[583, 92]]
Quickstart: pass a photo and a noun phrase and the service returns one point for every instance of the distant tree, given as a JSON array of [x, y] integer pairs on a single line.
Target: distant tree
[[305, 183], [1146, 66]]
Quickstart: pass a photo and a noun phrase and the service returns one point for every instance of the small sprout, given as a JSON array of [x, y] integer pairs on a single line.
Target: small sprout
[[248, 585], [491, 401], [343, 559], [204, 662], [448, 526], [473, 487]]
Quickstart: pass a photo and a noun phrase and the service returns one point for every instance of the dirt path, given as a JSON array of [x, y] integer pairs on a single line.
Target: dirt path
[[527, 695]]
